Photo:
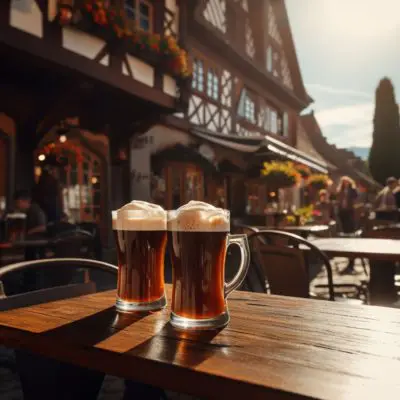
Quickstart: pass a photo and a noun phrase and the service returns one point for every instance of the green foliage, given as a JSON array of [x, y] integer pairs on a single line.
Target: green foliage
[[384, 160], [280, 174], [319, 181]]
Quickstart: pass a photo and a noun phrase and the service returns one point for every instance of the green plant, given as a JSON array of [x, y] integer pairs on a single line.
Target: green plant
[[319, 181], [280, 174], [303, 170], [305, 214]]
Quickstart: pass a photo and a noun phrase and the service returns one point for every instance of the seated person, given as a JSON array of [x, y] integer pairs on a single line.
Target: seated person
[[35, 216], [323, 209]]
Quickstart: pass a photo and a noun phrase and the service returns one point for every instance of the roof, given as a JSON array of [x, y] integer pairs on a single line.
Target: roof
[[261, 146], [346, 161]]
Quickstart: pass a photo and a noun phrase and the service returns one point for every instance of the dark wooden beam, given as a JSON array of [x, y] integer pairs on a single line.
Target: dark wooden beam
[[80, 67]]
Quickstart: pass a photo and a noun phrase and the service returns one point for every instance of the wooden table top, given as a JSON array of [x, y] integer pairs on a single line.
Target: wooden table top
[[274, 346], [378, 249], [25, 243]]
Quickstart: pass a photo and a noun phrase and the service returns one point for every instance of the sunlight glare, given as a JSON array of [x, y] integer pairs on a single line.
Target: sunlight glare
[[363, 18]]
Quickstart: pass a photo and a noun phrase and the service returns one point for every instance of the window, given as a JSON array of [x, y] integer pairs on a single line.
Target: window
[[212, 84], [81, 182], [198, 75], [274, 122], [140, 14], [285, 130], [247, 107], [267, 119], [269, 59]]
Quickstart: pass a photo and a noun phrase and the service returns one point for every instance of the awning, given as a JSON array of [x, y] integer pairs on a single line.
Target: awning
[[276, 147], [233, 142]]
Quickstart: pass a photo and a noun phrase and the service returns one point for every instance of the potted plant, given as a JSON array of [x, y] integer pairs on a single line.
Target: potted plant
[[279, 175], [318, 181], [303, 170]]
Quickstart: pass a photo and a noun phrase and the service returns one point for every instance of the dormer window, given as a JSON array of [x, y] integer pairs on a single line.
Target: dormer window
[[139, 14]]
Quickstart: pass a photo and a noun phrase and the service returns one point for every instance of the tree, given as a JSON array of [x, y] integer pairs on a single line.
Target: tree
[[384, 160]]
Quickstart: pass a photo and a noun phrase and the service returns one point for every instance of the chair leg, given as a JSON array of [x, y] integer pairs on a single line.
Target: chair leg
[[364, 265]]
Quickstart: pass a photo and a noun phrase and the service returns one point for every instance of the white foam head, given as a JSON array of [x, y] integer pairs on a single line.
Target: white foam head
[[140, 216], [16, 215], [197, 216]]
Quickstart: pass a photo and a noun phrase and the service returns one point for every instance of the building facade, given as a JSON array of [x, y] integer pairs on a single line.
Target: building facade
[[246, 96], [79, 79]]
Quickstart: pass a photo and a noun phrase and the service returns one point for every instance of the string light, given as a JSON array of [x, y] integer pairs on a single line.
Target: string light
[[41, 157], [63, 139]]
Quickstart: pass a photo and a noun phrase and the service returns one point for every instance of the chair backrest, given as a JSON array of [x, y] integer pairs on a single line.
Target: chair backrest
[[77, 243], [284, 263], [57, 291]]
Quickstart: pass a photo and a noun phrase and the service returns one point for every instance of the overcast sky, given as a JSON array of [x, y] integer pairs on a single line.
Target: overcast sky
[[344, 48]]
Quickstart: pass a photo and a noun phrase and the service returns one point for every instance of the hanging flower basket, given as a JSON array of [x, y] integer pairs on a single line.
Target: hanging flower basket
[[303, 170], [279, 175], [110, 23], [318, 181]]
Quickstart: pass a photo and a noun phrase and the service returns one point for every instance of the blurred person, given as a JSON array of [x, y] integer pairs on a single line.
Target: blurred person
[[323, 208], [385, 203], [346, 197], [35, 217], [47, 193]]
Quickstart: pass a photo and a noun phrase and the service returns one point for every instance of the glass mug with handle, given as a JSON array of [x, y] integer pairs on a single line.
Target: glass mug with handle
[[198, 238], [140, 231]]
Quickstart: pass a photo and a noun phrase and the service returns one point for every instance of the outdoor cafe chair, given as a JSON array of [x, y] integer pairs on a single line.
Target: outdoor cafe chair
[[41, 377], [281, 256]]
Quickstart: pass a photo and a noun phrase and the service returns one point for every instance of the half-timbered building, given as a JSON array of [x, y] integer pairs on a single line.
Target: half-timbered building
[[247, 93], [78, 79]]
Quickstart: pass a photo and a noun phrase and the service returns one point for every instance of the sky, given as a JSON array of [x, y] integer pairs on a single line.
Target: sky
[[344, 48]]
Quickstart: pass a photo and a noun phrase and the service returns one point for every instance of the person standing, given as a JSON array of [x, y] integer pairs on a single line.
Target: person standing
[[386, 207], [346, 198]]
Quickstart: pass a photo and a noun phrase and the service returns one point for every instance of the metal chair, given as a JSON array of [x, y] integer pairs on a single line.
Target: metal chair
[[280, 257], [41, 377], [59, 288]]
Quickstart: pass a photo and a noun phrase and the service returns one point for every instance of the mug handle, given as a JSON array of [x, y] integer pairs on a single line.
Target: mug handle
[[241, 241]]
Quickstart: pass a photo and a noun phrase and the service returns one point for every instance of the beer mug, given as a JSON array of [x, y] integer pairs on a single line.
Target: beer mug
[[141, 237], [15, 227], [198, 238]]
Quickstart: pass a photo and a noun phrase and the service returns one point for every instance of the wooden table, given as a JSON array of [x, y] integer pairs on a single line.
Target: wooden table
[[306, 230], [382, 254], [275, 347], [378, 249]]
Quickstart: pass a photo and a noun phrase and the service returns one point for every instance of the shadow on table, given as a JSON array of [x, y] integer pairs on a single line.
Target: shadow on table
[[95, 328], [185, 348]]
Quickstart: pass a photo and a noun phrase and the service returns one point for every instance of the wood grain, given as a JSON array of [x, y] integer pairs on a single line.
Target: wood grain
[[274, 347]]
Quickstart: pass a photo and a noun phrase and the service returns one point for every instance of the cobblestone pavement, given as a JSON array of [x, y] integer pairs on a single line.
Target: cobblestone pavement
[[10, 388]]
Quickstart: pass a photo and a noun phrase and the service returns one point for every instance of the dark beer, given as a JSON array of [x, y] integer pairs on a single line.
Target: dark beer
[[198, 260], [141, 237], [141, 265], [15, 227]]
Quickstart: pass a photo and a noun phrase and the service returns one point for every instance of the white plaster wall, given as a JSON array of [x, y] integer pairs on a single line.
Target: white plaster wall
[[26, 16], [142, 71], [82, 43], [164, 137], [169, 86]]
